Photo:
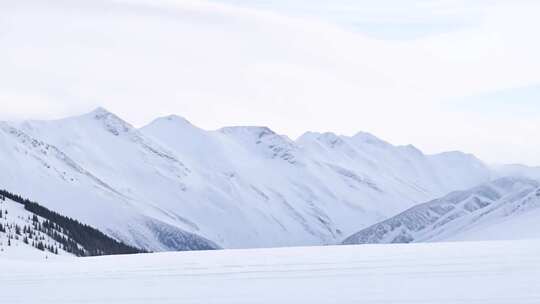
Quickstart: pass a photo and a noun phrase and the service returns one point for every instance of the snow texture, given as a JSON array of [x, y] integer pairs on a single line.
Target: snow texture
[[507, 208], [444, 273]]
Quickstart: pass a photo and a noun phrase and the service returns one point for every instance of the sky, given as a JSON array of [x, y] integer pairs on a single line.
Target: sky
[[439, 74]]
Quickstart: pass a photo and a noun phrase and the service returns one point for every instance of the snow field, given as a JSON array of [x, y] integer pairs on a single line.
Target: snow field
[[468, 272]]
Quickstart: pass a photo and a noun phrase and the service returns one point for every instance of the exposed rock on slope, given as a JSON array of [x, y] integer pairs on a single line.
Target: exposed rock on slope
[[452, 216]]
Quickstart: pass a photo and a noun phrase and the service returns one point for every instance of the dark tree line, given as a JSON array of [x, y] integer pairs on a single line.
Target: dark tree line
[[71, 233], [33, 235]]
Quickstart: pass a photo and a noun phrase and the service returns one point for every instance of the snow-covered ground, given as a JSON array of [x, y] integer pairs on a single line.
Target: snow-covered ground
[[442, 273]]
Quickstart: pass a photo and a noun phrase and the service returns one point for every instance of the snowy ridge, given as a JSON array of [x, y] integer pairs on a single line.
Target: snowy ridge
[[173, 186], [266, 141], [452, 216]]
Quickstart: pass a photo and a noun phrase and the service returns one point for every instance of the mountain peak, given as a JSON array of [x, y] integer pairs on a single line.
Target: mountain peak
[[172, 119], [457, 156], [250, 131], [331, 139], [369, 138], [411, 148], [100, 110], [177, 118], [98, 113], [111, 121]]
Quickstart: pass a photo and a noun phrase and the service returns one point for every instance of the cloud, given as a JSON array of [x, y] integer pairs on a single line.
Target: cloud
[[218, 64]]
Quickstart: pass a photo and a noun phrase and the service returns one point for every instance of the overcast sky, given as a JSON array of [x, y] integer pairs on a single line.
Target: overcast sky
[[440, 74]]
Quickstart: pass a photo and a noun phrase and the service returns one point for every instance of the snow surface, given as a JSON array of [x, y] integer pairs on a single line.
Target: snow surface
[[525, 226], [173, 186], [443, 273]]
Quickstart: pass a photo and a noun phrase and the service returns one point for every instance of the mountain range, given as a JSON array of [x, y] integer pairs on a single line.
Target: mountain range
[[173, 186]]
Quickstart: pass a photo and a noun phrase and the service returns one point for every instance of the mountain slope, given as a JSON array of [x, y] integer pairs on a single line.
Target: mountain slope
[[460, 215], [307, 196], [27, 229], [80, 185], [173, 186]]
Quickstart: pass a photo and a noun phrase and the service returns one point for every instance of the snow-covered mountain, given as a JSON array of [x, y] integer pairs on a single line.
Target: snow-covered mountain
[[507, 208], [173, 186], [77, 186]]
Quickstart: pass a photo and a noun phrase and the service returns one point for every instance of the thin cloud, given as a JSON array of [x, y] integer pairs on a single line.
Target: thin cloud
[[218, 65]]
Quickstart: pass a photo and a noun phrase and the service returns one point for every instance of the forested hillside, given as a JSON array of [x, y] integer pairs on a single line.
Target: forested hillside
[[47, 230]]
